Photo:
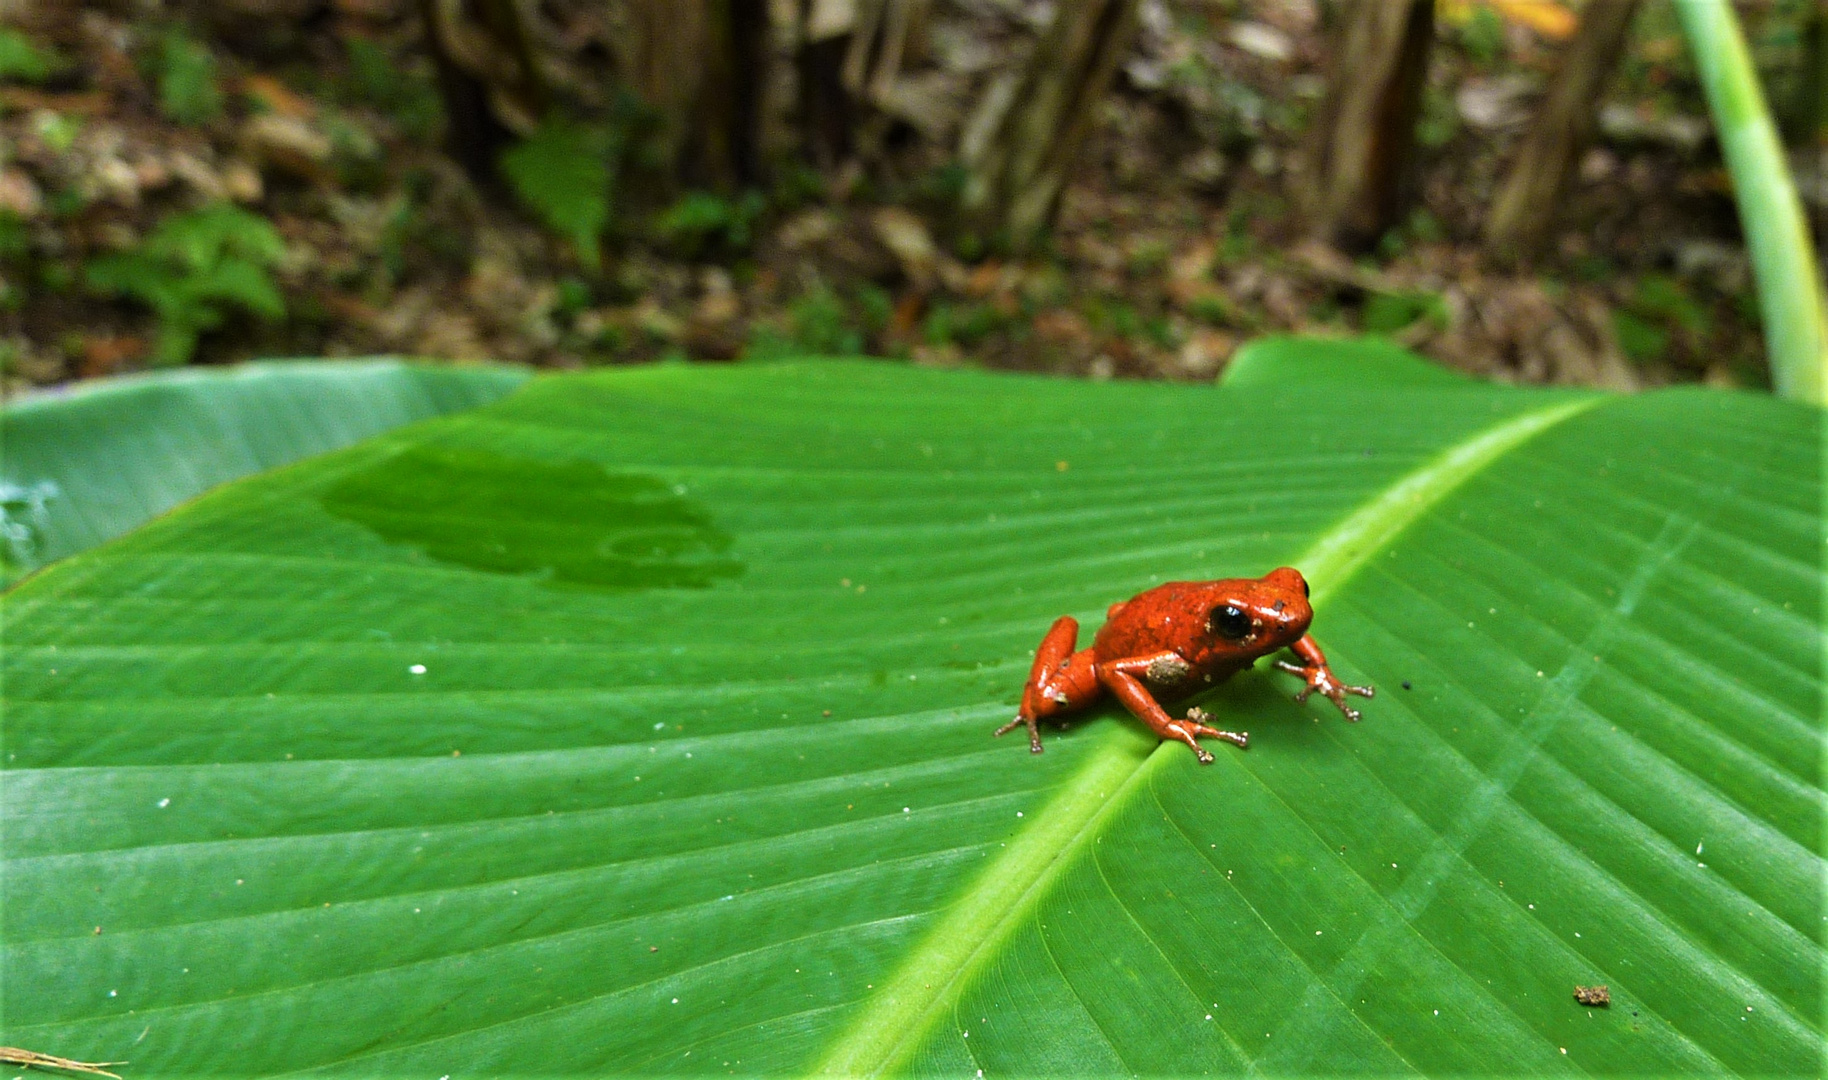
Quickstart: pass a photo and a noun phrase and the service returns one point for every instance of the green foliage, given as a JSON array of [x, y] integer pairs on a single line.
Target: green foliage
[[1420, 227], [1216, 310], [944, 185], [1149, 257], [379, 80], [574, 296], [1440, 119], [186, 70], [825, 322], [1483, 35], [404, 224], [1388, 312], [964, 323], [796, 183], [15, 243], [1664, 297], [562, 174], [874, 307], [704, 222], [193, 270], [1120, 319], [1641, 339], [822, 324], [58, 130], [1659, 309], [23, 61], [969, 246], [341, 762]]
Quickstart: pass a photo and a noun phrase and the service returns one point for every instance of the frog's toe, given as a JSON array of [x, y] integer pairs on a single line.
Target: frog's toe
[[1034, 732]]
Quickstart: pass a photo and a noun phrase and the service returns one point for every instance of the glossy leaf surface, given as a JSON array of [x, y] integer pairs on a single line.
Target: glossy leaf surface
[[86, 465], [676, 758]]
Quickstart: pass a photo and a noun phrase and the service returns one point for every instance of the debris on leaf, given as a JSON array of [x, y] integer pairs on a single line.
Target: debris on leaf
[[12, 1055]]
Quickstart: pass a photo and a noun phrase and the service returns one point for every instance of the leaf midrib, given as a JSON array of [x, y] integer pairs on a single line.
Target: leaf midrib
[[891, 1024]]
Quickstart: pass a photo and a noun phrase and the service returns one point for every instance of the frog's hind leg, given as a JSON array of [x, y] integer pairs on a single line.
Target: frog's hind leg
[[1061, 679]]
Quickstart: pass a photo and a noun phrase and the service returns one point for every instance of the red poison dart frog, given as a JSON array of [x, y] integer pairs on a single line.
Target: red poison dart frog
[[1176, 640]]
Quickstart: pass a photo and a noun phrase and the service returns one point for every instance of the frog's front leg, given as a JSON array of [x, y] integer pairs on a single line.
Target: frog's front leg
[[1061, 679], [1320, 677], [1123, 678]]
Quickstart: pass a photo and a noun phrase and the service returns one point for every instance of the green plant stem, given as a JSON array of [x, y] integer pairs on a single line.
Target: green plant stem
[[1777, 237]]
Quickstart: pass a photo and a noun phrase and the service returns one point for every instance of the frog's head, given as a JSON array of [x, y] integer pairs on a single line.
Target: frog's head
[[1252, 618]]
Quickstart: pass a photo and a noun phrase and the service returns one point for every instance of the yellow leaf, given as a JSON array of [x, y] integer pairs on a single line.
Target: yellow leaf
[[1550, 18]]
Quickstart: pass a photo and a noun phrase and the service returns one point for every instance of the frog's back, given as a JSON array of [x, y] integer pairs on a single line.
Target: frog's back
[[1169, 616]]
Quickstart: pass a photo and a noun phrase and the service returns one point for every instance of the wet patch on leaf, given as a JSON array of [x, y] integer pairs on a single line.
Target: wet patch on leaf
[[574, 523]]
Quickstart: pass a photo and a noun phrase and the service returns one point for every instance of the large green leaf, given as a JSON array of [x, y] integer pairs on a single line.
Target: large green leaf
[[82, 466], [640, 723]]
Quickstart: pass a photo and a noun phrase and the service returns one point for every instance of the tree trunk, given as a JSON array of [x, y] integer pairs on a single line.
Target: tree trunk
[[1524, 211], [825, 107], [851, 54], [1025, 132], [1368, 136], [699, 66], [488, 77]]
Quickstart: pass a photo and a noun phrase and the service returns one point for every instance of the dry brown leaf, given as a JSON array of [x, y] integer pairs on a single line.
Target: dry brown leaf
[[12, 1055]]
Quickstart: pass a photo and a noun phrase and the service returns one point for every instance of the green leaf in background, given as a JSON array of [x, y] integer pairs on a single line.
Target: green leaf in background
[[1640, 340], [82, 466], [562, 174], [1388, 312], [191, 269], [23, 61], [308, 777], [188, 92]]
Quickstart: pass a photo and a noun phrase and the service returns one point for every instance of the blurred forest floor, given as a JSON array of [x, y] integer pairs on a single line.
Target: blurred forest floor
[[256, 178]]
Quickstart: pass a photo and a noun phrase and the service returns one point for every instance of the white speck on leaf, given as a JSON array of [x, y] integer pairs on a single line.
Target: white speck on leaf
[[417, 669], [163, 803]]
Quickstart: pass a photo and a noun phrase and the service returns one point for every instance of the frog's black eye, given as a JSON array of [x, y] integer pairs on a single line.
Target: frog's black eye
[[1228, 622], [1304, 586]]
